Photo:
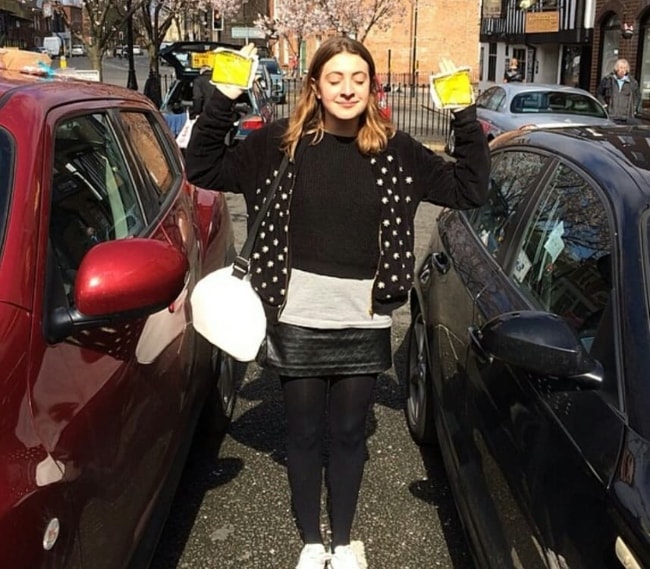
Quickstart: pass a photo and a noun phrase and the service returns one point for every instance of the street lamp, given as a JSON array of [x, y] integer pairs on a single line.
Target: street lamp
[[414, 60], [131, 81]]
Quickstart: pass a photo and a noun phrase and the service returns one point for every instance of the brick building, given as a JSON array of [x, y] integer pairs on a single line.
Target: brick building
[[622, 30], [429, 31]]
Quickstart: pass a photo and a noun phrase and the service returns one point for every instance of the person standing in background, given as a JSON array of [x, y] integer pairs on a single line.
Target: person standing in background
[[513, 74], [293, 65], [620, 94], [202, 90]]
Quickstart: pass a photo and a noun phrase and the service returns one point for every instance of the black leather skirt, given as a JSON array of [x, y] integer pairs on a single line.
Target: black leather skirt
[[295, 351]]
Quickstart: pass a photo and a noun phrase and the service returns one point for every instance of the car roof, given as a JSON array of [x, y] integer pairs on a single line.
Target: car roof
[[513, 88], [607, 153], [52, 91]]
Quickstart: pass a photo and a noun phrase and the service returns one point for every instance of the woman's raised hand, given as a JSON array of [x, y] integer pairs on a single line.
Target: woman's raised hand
[[451, 88]]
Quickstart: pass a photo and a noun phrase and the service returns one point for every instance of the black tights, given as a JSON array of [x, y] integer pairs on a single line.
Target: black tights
[[306, 401]]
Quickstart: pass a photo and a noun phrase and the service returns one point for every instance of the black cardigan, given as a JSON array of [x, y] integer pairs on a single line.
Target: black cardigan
[[406, 168]]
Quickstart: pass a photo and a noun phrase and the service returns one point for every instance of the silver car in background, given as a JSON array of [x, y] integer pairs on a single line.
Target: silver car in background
[[511, 106]]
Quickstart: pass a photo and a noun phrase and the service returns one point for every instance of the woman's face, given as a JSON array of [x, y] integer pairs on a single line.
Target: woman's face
[[344, 90]]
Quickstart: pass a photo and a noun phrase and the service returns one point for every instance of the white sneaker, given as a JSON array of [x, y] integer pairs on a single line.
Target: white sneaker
[[344, 558], [313, 556]]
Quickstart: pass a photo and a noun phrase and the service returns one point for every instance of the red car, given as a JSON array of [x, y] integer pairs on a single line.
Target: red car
[[102, 240], [382, 100]]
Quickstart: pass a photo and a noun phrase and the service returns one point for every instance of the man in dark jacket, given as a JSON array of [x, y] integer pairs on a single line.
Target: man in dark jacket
[[620, 94], [202, 90]]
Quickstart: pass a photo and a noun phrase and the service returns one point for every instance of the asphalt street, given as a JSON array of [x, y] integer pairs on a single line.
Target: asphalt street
[[232, 509]]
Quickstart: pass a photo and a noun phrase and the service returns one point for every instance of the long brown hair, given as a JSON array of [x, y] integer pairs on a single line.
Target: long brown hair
[[307, 118]]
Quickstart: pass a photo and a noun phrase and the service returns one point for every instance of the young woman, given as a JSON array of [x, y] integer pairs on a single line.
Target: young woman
[[333, 259]]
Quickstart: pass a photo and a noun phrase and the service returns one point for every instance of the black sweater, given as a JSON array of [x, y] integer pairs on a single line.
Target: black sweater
[[404, 174]]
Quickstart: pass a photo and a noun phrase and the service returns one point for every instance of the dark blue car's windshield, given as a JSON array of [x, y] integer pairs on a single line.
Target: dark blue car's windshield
[[557, 102], [7, 155]]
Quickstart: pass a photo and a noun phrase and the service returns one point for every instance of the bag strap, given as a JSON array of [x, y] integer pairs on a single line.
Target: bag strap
[[242, 261]]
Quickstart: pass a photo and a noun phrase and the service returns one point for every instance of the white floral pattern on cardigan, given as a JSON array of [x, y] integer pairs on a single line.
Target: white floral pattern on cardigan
[[269, 264]]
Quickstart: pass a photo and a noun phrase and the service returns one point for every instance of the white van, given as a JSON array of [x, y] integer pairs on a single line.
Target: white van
[[53, 45]]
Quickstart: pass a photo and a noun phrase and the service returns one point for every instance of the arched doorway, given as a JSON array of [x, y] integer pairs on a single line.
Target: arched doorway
[[610, 41]]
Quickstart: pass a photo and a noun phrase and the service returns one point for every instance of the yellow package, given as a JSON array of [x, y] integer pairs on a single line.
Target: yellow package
[[230, 67], [452, 90], [201, 59], [15, 59]]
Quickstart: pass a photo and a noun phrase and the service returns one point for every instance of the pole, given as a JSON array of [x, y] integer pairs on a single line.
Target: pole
[[415, 42], [131, 82]]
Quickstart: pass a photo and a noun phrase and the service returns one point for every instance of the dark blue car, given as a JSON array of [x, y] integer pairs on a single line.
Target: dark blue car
[[529, 349]]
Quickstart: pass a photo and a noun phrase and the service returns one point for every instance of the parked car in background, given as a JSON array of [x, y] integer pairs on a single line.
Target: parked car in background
[[528, 351], [163, 45], [78, 50], [102, 240], [278, 90], [511, 106], [514, 105], [266, 83], [137, 50], [382, 100], [254, 108]]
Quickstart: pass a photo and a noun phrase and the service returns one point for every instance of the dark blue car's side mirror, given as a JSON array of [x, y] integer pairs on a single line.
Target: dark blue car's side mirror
[[541, 343]]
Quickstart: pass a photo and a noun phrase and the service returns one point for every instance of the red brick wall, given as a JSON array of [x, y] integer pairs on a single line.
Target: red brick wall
[[445, 29], [628, 12]]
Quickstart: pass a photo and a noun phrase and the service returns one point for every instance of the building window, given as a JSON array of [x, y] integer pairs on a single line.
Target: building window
[[611, 37], [571, 65], [492, 62]]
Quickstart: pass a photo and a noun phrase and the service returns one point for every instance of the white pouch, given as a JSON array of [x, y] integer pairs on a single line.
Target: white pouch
[[229, 314]]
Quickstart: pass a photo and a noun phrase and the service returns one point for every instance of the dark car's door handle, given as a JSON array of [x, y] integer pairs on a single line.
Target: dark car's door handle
[[475, 344]]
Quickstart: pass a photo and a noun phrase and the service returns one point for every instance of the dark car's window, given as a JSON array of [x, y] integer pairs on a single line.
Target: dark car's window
[[6, 177], [93, 195], [556, 102], [511, 178], [564, 264], [142, 131]]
